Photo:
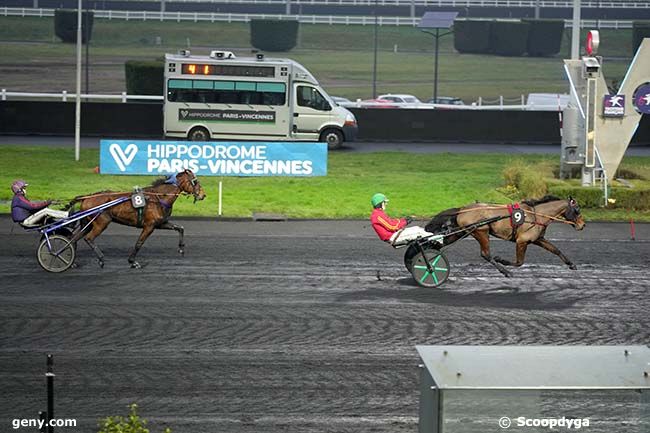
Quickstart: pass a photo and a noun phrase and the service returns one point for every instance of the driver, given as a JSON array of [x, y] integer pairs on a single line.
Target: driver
[[30, 213], [393, 230]]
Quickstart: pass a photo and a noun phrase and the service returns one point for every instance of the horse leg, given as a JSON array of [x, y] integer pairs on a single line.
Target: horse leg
[[98, 226], [553, 249], [521, 248], [483, 239], [181, 231], [146, 232]]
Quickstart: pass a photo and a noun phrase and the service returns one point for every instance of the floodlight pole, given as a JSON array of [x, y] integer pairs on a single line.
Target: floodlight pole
[[77, 117], [575, 33], [374, 60], [437, 37]]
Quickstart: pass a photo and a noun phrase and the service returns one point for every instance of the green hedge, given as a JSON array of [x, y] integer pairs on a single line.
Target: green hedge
[[544, 37], [144, 77], [640, 30], [65, 25], [472, 36], [272, 35], [508, 38], [624, 198]]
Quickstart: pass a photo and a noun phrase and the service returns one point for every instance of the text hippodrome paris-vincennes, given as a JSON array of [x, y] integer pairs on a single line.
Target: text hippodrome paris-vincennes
[[222, 159]]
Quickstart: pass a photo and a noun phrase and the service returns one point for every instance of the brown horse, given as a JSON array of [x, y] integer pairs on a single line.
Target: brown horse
[[160, 198], [538, 214]]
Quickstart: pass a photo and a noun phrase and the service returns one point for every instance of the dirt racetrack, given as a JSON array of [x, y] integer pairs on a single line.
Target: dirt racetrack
[[305, 326]]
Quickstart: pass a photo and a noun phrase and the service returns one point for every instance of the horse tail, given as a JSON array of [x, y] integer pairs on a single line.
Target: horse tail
[[444, 222]]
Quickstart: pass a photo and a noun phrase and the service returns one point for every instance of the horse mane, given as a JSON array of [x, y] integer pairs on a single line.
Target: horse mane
[[444, 218], [159, 181], [545, 199]]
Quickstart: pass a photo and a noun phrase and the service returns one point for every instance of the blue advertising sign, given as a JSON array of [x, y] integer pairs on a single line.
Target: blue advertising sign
[[642, 98], [213, 158]]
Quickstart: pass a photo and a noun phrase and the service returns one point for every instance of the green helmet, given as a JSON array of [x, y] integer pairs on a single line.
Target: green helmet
[[378, 199]]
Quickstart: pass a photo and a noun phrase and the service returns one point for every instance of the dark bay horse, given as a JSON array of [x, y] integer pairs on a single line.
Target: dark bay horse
[[538, 215], [160, 198]]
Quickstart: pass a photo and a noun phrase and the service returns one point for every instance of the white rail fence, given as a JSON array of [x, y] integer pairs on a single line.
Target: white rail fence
[[306, 19], [594, 4], [499, 103]]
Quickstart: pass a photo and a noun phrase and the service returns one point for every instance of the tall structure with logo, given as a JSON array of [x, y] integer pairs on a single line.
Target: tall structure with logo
[[598, 125]]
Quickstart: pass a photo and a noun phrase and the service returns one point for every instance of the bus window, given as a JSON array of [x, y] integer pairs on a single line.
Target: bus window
[[311, 97], [226, 92]]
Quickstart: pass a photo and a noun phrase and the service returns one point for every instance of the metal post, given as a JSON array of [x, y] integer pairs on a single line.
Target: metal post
[[50, 393], [87, 37], [374, 61], [412, 8], [288, 10], [537, 9], [435, 74], [220, 191], [575, 32], [162, 6], [77, 117]]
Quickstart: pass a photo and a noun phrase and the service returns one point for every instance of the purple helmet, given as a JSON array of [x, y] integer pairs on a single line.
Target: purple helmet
[[18, 186]]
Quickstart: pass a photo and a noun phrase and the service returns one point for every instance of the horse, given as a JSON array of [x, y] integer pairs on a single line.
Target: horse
[[159, 200], [538, 214]]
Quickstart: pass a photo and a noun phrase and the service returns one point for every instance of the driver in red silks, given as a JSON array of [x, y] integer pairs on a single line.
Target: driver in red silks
[[393, 230]]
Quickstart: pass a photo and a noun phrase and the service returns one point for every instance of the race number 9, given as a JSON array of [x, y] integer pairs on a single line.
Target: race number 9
[[518, 217]]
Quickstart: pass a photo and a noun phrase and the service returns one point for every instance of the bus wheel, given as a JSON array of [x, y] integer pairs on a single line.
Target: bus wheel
[[198, 133], [333, 138]]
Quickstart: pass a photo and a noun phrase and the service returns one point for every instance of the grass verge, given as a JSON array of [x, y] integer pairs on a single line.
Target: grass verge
[[417, 184]]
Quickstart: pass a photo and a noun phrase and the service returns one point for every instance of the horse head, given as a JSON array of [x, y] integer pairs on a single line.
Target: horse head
[[189, 183], [572, 214]]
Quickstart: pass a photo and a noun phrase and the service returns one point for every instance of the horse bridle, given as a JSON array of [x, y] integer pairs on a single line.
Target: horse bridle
[[192, 179], [572, 211]]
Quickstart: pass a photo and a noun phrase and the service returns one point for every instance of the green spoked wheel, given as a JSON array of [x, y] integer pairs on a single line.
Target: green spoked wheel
[[58, 256], [433, 275]]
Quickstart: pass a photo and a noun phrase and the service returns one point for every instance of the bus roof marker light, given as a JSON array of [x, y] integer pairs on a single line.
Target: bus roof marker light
[[184, 53], [260, 56], [222, 55]]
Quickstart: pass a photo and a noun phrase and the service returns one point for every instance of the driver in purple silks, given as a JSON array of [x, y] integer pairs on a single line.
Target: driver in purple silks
[[29, 213]]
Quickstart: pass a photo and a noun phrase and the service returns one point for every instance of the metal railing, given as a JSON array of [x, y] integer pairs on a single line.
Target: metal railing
[[306, 19], [594, 4], [64, 96]]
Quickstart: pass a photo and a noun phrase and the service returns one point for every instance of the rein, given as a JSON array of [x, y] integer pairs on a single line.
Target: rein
[[535, 214]]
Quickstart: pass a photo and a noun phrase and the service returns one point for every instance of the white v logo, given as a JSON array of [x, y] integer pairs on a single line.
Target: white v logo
[[123, 158]]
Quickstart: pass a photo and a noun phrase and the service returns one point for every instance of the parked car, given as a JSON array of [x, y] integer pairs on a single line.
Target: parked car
[[402, 99], [447, 100], [341, 101], [378, 103]]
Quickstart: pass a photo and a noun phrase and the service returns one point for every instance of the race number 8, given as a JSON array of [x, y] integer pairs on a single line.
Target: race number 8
[[138, 200], [518, 216]]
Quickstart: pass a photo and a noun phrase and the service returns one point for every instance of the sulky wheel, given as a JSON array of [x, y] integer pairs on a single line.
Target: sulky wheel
[[59, 256], [437, 263]]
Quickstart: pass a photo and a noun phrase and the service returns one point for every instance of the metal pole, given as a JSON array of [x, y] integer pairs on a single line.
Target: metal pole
[[220, 192], [537, 9], [87, 37], [288, 10], [575, 32], [162, 6], [435, 74], [374, 61], [50, 393], [77, 117]]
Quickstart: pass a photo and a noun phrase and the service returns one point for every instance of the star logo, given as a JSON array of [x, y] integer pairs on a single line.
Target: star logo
[[615, 101], [646, 98]]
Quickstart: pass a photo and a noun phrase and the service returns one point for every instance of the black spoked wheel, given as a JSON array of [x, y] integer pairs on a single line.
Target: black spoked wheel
[[437, 271], [58, 256], [198, 133], [410, 253]]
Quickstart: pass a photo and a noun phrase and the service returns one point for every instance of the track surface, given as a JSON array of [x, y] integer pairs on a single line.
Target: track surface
[[269, 327]]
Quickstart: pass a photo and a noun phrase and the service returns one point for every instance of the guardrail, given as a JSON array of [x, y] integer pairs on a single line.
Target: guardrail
[[123, 97], [306, 19], [64, 96], [440, 3]]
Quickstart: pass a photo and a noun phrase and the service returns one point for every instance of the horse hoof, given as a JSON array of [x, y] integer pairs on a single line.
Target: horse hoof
[[181, 251], [508, 274], [573, 267], [135, 265], [100, 263]]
